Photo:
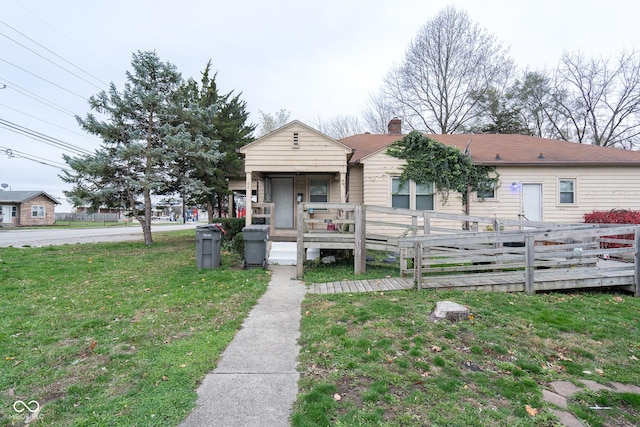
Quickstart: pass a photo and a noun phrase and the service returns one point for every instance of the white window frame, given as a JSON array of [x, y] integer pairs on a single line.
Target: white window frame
[[574, 192], [39, 211], [413, 194], [327, 185], [491, 198]]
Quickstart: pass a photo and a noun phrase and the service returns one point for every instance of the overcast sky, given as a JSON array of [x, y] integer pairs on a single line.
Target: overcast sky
[[315, 59]]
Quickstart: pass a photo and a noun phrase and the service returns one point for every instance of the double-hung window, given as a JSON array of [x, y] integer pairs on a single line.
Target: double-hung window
[[567, 191], [37, 211], [410, 195], [318, 190]]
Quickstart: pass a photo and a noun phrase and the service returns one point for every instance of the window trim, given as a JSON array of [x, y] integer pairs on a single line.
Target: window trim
[[574, 181], [39, 210], [328, 187], [493, 198], [412, 194]]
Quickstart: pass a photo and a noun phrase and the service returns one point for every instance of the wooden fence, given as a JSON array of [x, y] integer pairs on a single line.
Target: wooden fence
[[467, 252], [527, 260]]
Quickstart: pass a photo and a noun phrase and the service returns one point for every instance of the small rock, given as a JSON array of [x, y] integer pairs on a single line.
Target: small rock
[[450, 310]]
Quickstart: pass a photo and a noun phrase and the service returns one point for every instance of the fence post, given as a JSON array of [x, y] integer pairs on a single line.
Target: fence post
[[636, 263], [300, 245], [496, 229], [417, 265], [529, 261], [360, 244]]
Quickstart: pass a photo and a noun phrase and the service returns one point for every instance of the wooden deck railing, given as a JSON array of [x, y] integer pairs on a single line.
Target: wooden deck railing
[[453, 246], [264, 212], [470, 259]]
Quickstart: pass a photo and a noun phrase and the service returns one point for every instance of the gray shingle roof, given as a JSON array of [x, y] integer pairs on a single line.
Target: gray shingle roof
[[23, 196]]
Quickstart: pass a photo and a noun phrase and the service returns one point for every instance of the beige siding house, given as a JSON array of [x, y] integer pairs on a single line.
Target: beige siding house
[[295, 163], [26, 208], [539, 179]]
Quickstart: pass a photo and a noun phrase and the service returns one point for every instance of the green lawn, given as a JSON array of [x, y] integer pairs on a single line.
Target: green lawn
[[121, 334], [377, 359], [115, 334]]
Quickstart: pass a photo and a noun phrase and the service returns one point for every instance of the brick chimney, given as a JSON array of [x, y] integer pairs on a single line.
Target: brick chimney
[[395, 126]]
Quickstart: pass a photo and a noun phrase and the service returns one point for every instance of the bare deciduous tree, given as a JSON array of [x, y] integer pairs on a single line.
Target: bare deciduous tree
[[597, 102], [339, 126], [447, 70], [269, 122], [378, 113]]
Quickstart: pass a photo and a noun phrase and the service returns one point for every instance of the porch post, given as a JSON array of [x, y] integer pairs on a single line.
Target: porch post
[[343, 187], [248, 189]]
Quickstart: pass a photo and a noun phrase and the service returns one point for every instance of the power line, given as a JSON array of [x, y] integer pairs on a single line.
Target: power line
[[49, 123], [54, 54], [54, 142], [14, 153], [38, 98], [88, 52], [43, 79], [50, 61]]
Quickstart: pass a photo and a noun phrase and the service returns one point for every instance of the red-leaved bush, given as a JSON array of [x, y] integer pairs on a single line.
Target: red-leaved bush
[[615, 216]]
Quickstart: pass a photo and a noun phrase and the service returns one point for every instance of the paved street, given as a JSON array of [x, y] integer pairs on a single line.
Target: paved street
[[44, 237]]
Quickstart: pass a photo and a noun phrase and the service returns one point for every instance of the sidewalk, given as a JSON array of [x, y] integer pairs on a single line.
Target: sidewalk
[[255, 383]]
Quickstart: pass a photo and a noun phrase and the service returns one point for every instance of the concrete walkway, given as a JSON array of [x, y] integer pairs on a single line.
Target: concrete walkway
[[256, 381]]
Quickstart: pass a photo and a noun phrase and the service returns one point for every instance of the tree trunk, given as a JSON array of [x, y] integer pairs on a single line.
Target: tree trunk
[[210, 211], [146, 224]]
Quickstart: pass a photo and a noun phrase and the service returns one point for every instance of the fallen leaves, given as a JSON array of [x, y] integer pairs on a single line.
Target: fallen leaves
[[531, 411]]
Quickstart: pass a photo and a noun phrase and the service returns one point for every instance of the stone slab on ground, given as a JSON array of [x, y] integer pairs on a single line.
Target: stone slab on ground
[[554, 398], [565, 388], [450, 310]]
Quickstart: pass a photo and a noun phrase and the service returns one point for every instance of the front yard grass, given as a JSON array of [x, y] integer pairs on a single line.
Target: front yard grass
[[376, 359], [115, 334]]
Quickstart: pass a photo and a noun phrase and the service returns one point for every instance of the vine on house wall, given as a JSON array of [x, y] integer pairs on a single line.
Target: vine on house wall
[[429, 161]]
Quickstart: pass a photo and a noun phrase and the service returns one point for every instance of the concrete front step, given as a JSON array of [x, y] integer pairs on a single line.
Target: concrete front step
[[286, 253], [283, 253]]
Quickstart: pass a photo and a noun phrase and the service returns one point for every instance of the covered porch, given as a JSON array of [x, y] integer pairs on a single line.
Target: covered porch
[[276, 197], [291, 165]]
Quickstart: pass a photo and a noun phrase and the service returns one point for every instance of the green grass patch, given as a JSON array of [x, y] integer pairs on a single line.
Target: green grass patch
[[392, 366], [116, 334]]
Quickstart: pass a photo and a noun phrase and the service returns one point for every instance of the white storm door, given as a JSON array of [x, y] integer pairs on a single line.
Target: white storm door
[[6, 214], [532, 202], [282, 197]]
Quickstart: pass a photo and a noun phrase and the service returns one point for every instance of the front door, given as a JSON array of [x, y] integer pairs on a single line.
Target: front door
[[6, 214], [532, 202], [282, 197]]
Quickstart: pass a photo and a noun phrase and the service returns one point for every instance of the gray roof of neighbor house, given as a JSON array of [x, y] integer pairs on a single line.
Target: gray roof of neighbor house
[[505, 149], [23, 196]]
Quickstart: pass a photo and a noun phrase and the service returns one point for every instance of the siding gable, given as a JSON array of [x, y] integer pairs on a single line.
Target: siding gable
[[296, 148]]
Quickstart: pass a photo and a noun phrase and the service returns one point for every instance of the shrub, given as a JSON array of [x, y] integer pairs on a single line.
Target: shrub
[[231, 226], [614, 216]]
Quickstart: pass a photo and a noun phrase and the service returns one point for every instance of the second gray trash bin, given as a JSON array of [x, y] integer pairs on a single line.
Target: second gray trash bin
[[256, 238], [208, 246]]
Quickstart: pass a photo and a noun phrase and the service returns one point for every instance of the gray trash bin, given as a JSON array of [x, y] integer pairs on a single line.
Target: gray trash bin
[[256, 238], [208, 246]]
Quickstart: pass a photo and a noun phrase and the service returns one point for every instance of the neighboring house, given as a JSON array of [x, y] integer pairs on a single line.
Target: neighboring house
[[539, 179], [27, 208]]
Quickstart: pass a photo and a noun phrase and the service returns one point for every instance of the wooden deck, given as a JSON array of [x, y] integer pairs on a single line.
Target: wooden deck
[[507, 255], [354, 286], [608, 273]]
